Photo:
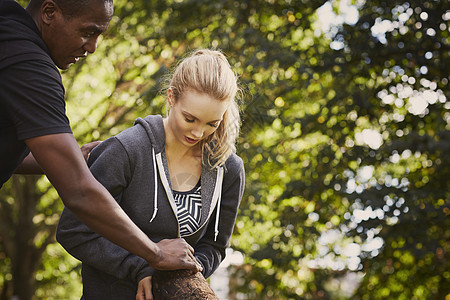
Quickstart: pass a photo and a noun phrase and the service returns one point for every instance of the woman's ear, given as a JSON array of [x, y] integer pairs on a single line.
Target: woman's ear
[[170, 97]]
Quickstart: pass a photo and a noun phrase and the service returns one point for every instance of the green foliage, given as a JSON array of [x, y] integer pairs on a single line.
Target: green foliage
[[345, 140], [59, 275], [407, 104], [32, 263]]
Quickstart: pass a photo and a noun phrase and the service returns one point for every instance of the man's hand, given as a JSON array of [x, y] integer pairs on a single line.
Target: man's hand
[[87, 148], [144, 291], [175, 254]]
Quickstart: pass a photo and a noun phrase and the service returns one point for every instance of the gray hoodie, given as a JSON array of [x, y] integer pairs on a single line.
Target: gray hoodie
[[133, 167]]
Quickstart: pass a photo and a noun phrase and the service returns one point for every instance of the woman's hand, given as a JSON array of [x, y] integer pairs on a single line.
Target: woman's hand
[[144, 291]]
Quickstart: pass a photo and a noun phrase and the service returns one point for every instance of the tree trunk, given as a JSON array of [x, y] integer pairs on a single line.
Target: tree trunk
[[181, 284], [25, 258]]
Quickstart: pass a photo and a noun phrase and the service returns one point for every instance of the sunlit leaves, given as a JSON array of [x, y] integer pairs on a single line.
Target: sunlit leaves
[[344, 137]]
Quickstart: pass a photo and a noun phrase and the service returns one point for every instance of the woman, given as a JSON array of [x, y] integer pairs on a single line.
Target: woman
[[175, 177]]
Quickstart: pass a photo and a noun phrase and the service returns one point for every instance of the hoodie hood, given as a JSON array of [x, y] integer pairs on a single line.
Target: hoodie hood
[[154, 126], [20, 39]]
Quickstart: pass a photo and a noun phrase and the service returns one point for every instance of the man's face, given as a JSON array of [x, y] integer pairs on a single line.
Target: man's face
[[68, 39]]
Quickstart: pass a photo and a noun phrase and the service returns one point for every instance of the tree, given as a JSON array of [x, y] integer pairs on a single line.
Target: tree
[[371, 164], [406, 104], [29, 212], [344, 139]]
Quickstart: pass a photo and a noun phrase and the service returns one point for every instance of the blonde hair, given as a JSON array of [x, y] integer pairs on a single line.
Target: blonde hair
[[208, 72]]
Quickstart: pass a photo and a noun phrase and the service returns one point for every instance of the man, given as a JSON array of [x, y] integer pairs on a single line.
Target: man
[[32, 117]]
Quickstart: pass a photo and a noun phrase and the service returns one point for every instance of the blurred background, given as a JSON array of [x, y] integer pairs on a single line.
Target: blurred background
[[345, 140]]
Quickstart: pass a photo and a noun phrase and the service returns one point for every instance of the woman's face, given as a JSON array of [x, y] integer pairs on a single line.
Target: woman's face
[[194, 116]]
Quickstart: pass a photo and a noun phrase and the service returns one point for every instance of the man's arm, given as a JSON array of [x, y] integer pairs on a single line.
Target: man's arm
[[62, 161], [30, 166]]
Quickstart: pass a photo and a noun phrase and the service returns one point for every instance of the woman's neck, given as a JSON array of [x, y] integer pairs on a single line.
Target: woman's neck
[[185, 163], [177, 150]]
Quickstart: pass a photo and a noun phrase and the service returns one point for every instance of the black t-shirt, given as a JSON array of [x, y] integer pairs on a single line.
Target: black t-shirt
[[31, 97], [31, 104]]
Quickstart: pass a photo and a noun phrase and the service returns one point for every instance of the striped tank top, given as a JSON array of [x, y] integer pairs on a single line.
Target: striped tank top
[[189, 205]]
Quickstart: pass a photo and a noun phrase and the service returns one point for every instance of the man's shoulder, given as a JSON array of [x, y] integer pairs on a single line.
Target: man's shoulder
[[20, 39], [23, 51]]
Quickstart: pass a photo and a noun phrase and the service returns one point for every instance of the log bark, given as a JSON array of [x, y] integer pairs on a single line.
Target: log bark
[[181, 284]]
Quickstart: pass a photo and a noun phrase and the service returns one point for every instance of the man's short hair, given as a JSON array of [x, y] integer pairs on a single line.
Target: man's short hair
[[69, 8]]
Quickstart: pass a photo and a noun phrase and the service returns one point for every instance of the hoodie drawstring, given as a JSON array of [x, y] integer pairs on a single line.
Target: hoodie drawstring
[[219, 200], [156, 187]]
